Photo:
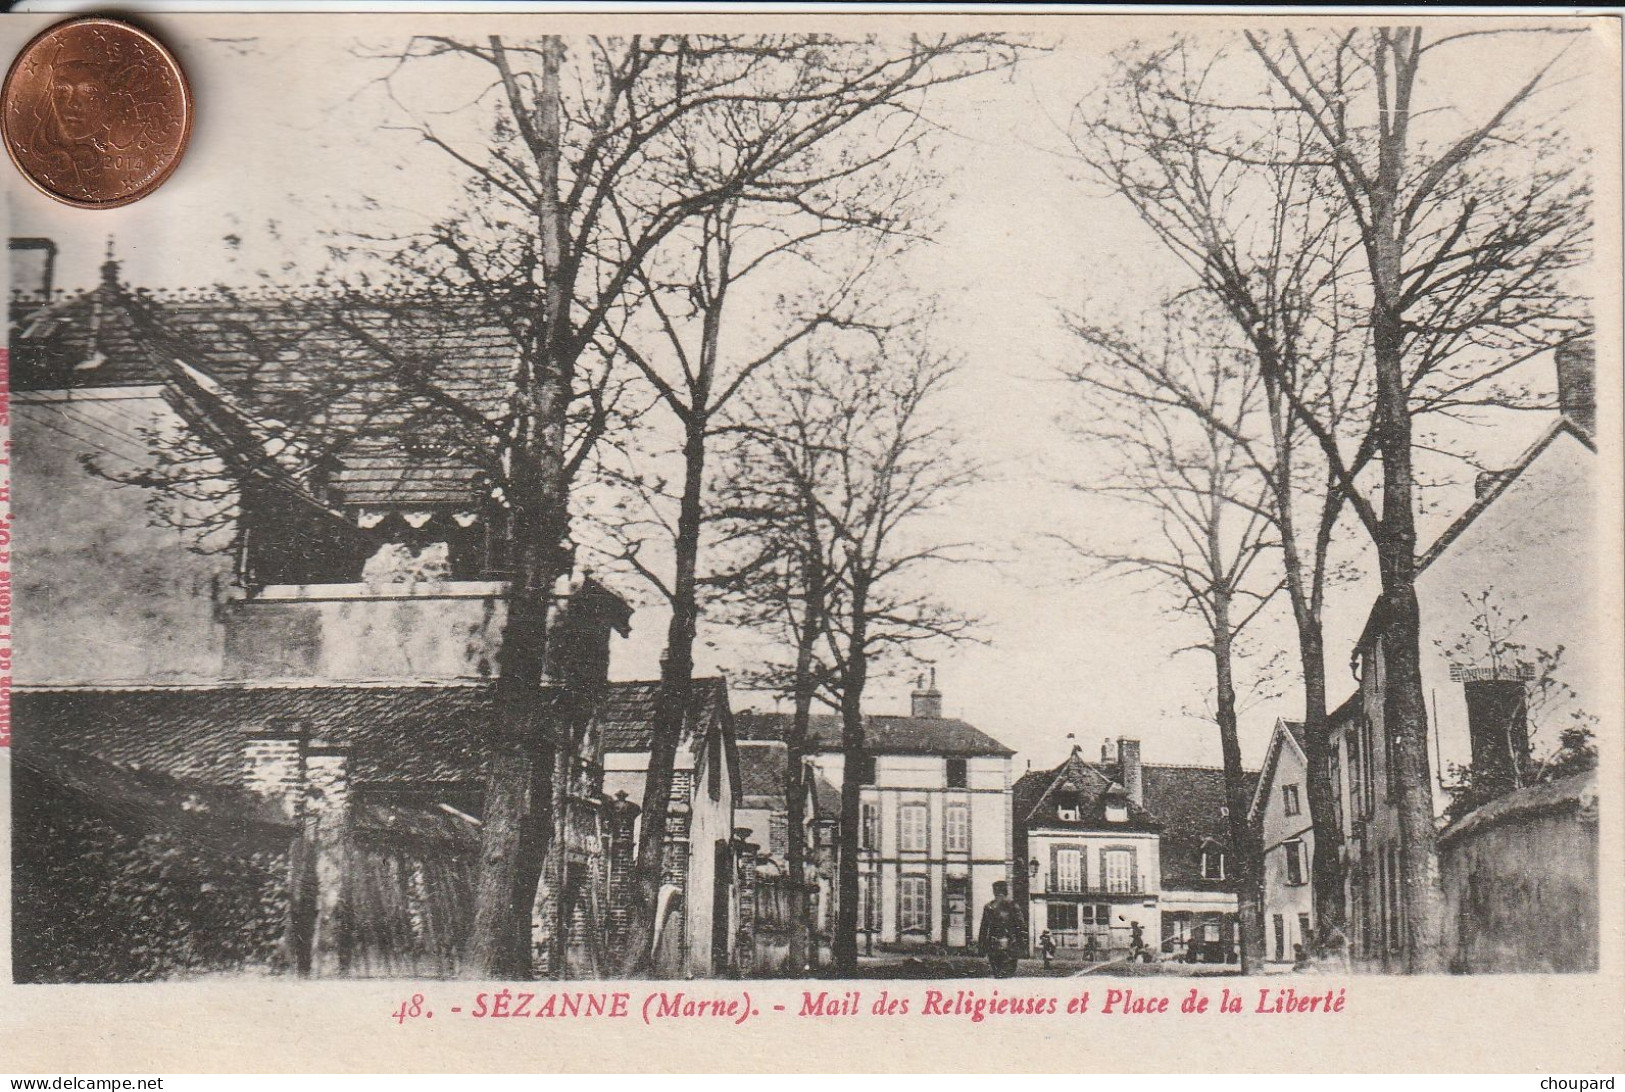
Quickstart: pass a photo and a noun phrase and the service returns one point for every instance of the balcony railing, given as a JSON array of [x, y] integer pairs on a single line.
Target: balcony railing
[[1133, 887]]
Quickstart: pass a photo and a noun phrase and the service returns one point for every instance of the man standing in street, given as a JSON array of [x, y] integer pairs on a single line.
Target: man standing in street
[[1002, 932]]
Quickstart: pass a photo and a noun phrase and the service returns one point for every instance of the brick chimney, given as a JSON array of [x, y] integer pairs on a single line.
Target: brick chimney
[[1498, 726], [1108, 752], [274, 769], [1576, 383], [33, 267], [1132, 775], [926, 701]]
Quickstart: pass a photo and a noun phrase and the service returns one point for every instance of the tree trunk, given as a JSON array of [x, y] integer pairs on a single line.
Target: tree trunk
[[803, 946], [1244, 839], [1404, 708], [1331, 916], [518, 787], [1326, 869], [513, 835], [854, 751], [671, 708]]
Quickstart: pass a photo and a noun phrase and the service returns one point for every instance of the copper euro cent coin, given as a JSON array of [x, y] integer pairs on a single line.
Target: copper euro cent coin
[[95, 113]]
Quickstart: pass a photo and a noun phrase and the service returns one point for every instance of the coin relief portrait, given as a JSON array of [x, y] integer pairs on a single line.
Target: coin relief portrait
[[96, 113]]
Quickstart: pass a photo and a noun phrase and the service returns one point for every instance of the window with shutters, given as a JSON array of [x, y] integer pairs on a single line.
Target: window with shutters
[[1068, 870], [869, 903], [956, 828], [913, 904], [1289, 800], [956, 773], [1063, 916], [1357, 806], [869, 826], [1295, 870], [1117, 866], [913, 828]]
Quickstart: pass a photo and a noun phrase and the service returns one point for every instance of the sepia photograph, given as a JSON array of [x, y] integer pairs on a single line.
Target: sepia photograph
[[1129, 500]]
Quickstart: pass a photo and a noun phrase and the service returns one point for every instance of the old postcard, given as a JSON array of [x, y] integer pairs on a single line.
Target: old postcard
[[828, 542]]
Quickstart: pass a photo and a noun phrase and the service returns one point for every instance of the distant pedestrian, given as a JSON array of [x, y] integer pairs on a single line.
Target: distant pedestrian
[[1046, 944], [1002, 931], [1136, 942]]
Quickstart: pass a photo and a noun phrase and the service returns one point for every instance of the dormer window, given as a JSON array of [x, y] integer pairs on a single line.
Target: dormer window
[[1116, 811], [1066, 807]]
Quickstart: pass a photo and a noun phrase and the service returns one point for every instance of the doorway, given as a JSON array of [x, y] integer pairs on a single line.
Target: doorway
[[956, 912]]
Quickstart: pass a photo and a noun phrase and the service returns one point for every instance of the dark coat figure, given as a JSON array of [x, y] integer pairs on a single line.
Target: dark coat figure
[[1002, 932], [1046, 945]]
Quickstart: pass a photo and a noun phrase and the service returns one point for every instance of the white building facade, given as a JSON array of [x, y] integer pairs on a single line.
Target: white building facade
[[935, 820]]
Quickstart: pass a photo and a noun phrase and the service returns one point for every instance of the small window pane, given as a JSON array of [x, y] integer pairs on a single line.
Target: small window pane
[[912, 904], [913, 834], [1119, 871], [957, 828], [1068, 870]]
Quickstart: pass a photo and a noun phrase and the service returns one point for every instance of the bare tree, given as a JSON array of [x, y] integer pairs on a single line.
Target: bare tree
[[1221, 185], [1272, 192], [1466, 236], [783, 583], [1205, 522], [596, 177], [853, 463], [697, 381]]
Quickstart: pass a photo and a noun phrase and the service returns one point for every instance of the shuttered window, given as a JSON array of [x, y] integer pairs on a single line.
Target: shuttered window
[[1068, 870], [1117, 865], [913, 828], [956, 828], [913, 904]]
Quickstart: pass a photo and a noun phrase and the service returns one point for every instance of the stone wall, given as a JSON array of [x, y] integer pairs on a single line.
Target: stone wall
[[1520, 882]]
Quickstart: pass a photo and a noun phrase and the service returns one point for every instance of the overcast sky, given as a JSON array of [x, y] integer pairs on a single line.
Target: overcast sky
[[285, 140]]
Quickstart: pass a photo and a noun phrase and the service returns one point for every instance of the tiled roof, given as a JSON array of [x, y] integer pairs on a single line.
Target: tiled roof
[[1186, 803], [626, 719], [763, 767], [1190, 802], [398, 734], [1039, 798], [223, 816], [884, 735], [227, 818], [283, 354]]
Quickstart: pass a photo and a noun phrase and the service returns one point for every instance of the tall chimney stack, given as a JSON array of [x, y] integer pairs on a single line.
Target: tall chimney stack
[[926, 701], [1108, 753], [1577, 383], [1132, 774], [33, 267]]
